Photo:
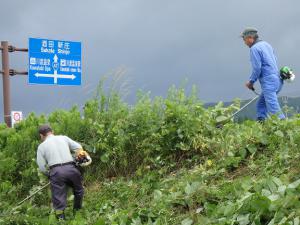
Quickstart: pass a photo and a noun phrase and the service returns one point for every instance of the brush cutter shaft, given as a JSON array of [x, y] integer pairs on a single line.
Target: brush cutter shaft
[[30, 196], [241, 109]]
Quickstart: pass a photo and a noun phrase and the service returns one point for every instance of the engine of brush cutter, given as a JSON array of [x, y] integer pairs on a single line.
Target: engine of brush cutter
[[287, 74], [82, 158]]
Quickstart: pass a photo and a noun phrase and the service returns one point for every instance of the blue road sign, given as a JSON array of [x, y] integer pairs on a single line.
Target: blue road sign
[[54, 62]]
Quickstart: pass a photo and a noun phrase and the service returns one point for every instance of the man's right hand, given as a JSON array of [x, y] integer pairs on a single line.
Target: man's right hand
[[250, 86]]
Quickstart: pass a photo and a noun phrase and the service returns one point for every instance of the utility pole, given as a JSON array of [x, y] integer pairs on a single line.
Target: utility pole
[[6, 73]]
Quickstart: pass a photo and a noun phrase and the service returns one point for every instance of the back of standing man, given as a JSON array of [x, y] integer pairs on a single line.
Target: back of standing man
[[55, 152], [264, 69]]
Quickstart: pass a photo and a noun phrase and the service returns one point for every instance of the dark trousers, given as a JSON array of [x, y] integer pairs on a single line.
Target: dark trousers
[[62, 177]]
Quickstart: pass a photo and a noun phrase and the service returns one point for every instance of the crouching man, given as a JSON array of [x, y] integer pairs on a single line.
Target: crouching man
[[55, 152]]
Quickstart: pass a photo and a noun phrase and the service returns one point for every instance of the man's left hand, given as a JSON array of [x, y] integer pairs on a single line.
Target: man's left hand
[[47, 174], [249, 85]]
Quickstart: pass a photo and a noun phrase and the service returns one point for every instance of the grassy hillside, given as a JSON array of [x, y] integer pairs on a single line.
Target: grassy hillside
[[161, 161]]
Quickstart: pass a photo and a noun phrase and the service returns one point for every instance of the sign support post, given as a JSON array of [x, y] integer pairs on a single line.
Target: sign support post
[[6, 73]]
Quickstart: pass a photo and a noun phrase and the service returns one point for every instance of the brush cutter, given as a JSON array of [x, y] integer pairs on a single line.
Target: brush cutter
[[82, 159], [225, 120]]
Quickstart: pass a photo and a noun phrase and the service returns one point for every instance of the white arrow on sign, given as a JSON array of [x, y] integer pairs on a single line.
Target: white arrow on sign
[[56, 76], [55, 58]]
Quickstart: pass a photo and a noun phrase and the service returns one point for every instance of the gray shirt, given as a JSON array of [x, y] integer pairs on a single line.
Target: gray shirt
[[55, 150]]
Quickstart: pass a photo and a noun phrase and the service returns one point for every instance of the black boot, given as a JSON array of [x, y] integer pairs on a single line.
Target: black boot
[[60, 215], [77, 203], [260, 120]]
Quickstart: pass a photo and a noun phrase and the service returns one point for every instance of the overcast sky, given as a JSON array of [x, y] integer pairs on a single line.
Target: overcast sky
[[158, 42]]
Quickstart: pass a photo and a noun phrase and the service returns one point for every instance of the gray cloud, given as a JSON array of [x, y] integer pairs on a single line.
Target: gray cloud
[[161, 42]]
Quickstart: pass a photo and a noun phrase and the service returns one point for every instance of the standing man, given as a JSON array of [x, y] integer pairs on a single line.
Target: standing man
[[55, 153], [264, 69]]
